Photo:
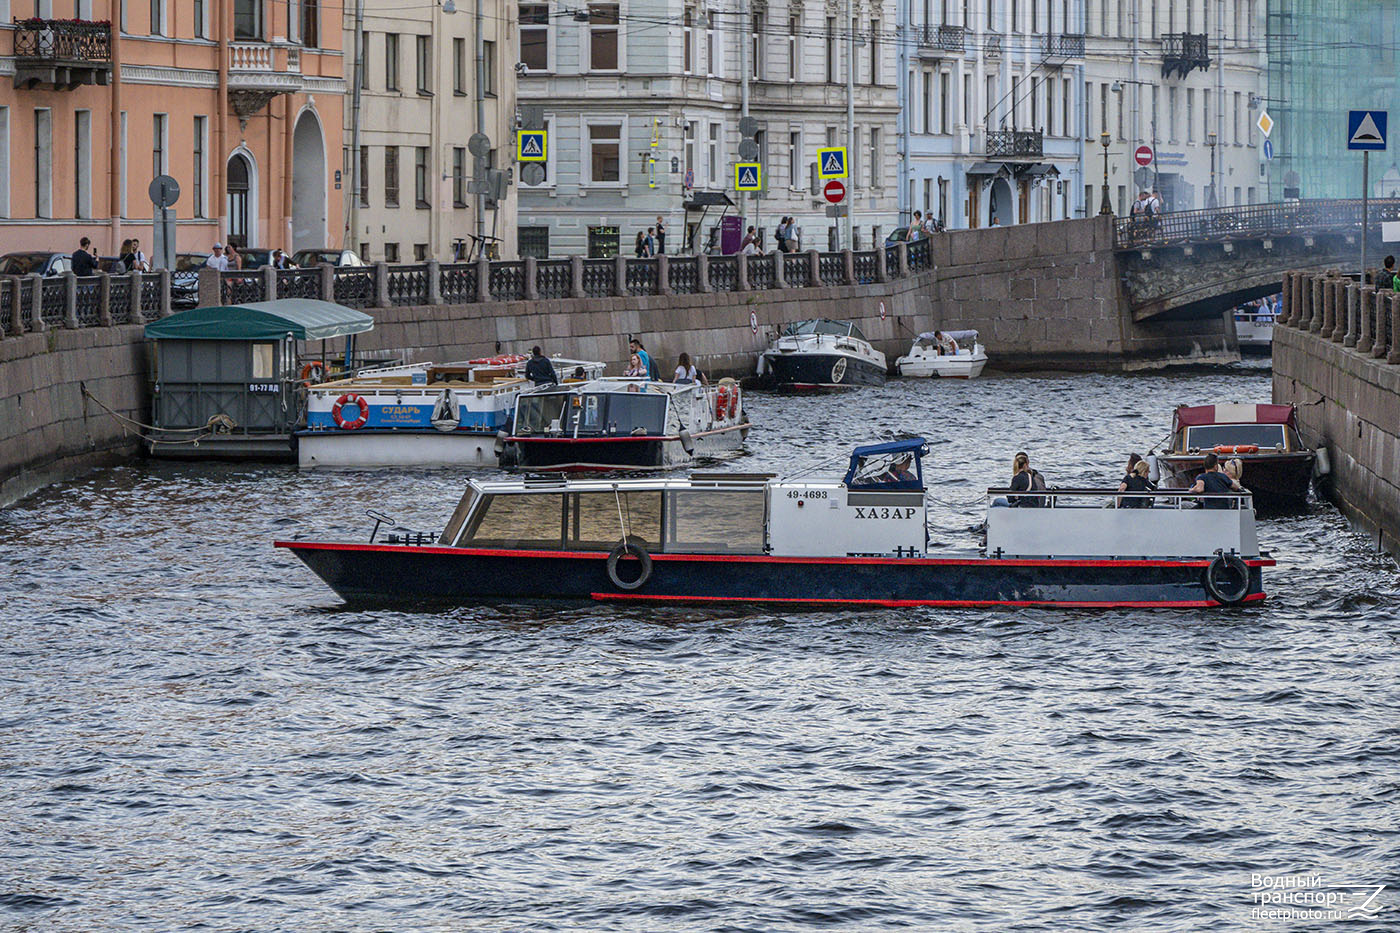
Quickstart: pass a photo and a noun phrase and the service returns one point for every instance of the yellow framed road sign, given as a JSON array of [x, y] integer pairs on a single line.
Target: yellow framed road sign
[[748, 176], [831, 162], [531, 145]]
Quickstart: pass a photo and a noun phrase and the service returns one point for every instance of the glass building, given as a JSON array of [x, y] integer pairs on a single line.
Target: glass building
[[1327, 57]]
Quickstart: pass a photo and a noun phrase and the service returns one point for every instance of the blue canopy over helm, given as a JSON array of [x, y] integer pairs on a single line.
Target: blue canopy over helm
[[914, 447]]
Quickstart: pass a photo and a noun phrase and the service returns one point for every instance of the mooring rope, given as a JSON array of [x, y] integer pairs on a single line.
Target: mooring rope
[[217, 424]]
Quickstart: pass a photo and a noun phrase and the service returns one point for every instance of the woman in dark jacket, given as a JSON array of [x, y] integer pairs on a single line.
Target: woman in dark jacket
[[1136, 481]]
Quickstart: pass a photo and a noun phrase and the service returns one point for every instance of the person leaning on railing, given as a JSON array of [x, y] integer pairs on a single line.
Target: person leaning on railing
[[1215, 483]]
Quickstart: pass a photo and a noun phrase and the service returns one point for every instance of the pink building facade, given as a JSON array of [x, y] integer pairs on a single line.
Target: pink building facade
[[240, 101]]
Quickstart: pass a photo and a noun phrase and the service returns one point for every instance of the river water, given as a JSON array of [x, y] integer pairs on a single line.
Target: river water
[[193, 731]]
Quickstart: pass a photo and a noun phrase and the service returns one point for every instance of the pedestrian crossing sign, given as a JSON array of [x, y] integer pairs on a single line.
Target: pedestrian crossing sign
[[531, 145], [748, 176], [831, 162]]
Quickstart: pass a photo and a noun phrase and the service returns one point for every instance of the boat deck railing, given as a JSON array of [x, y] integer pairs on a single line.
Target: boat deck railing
[[1109, 498]]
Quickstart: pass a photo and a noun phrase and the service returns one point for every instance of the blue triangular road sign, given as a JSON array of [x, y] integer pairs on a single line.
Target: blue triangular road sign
[[834, 164], [748, 178], [530, 146]]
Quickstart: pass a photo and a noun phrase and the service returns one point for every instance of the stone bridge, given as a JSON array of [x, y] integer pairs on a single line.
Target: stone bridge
[[1199, 263]]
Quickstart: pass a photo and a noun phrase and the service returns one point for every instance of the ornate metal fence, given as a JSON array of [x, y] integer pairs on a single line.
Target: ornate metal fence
[[457, 282], [151, 297], [866, 266], [797, 271], [119, 298], [408, 285], [7, 307], [299, 283], [53, 301], [724, 273], [554, 278], [599, 277], [762, 275], [641, 276], [353, 286], [235, 288], [89, 301], [920, 256], [684, 274], [1297, 218], [507, 281], [831, 269]]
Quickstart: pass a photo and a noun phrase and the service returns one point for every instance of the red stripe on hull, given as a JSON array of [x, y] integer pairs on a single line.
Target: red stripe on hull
[[950, 603]]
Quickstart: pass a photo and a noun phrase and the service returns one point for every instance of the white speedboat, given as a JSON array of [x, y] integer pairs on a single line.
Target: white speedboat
[[1254, 329], [422, 414], [924, 359], [823, 354], [624, 423]]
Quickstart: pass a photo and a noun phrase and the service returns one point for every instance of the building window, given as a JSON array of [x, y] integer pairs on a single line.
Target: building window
[[459, 177], [391, 176], [82, 163], [364, 251], [689, 134], [1067, 104], [945, 99], [874, 157], [391, 252], [712, 155], [201, 130], [1190, 115], [1035, 103], [533, 241], [794, 46], [534, 36], [874, 51], [425, 64], [420, 177], [710, 44], [756, 44], [364, 176], [488, 60], [420, 252], [158, 144], [311, 23], [43, 163], [603, 53], [795, 158], [605, 153], [157, 17], [830, 50], [927, 81], [687, 39], [201, 31], [391, 62], [459, 67], [247, 19], [603, 242]]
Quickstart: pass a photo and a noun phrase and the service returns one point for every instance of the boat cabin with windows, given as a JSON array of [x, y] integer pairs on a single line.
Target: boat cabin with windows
[[1277, 466]]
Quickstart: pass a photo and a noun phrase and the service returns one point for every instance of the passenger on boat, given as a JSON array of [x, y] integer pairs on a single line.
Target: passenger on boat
[[947, 346], [901, 471], [636, 367], [647, 362], [1234, 468], [1215, 481], [686, 373], [539, 369], [1024, 479], [1133, 460], [1136, 481]]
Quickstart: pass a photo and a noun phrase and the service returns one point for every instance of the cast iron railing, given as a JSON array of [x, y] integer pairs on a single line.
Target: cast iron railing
[[1015, 144], [1296, 218], [63, 40]]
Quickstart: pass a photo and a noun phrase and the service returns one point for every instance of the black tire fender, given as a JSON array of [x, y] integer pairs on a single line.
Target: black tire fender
[[1226, 580], [636, 549]]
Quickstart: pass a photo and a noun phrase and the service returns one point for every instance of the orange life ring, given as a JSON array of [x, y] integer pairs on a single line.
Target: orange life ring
[[312, 372], [721, 402], [361, 406], [734, 402]]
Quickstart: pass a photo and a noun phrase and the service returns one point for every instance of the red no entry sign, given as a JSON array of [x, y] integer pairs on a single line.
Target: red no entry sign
[[1143, 155], [835, 192]]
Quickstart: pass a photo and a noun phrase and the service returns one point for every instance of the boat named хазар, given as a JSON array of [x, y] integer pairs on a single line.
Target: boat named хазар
[[857, 540]]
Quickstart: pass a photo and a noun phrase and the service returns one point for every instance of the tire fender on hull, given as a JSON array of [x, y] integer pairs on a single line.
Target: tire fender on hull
[[1226, 580]]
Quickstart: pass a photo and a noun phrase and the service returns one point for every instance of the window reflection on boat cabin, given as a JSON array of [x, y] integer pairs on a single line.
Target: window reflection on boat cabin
[[710, 521], [1206, 437], [597, 519], [622, 412]]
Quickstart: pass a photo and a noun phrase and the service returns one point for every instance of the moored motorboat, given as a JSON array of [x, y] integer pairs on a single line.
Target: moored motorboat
[[423, 414], [624, 423], [1278, 466], [860, 540], [926, 358], [822, 354]]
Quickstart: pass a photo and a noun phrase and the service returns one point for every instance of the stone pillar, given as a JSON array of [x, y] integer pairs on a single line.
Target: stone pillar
[[848, 259], [1353, 312], [327, 284], [1285, 306], [576, 277], [1319, 309], [165, 309], [815, 269], [269, 277], [620, 276], [1366, 311], [663, 274], [483, 279], [882, 263], [209, 291], [1304, 301], [1295, 298], [532, 285], [381, 285], [741, 276], [134, 310], [902, 252], [1380, 339], [36, 304], [1393, 357], [702, 273], [1329, 308], [104, 300], [779, 269], [1339, 293], [70, 301], [16, 312]]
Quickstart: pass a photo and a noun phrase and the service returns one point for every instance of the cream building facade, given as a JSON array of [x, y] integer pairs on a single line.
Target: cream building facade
[[410, 193]]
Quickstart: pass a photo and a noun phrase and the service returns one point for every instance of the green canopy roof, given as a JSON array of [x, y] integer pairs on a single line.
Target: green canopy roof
[[303, 318]]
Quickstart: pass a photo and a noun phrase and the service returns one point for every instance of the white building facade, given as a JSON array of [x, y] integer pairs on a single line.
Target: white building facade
[[409, 195], [642, 100]]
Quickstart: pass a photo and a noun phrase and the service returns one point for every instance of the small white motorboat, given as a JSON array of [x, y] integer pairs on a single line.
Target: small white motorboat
[[924, 358]]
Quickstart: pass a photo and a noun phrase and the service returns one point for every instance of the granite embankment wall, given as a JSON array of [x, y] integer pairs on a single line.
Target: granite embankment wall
[[48, 429], [1336, 357]]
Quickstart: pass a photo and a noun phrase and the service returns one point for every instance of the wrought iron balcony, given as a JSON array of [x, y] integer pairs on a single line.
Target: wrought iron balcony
[[942, 39], [1184, 51], [991, 45], [1015, 144], [1064, 46], [62, 53]]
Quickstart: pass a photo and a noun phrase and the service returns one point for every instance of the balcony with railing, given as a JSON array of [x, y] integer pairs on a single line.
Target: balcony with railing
[[258, 72], [1182, 52], [1064, 46], [62, 54], [1015, 144], [936, 41]]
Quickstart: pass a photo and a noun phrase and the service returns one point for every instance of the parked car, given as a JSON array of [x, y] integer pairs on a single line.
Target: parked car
[[184, 279], [254, 258], [28, 263], [899, 235], [335, 257]]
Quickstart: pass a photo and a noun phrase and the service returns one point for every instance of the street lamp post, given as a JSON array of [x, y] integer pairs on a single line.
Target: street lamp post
[[1104, 206], [1211, 140]]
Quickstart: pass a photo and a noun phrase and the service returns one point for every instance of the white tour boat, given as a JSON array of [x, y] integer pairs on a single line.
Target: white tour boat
[[924, 359], [823, 354]]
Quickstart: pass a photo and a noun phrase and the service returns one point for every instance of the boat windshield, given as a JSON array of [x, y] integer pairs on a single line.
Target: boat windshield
[[829, 328], [542, 414], [591, 413], [1208, 436]]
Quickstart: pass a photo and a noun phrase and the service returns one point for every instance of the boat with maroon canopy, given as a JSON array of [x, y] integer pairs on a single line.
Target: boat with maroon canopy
[[1278, 466]]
